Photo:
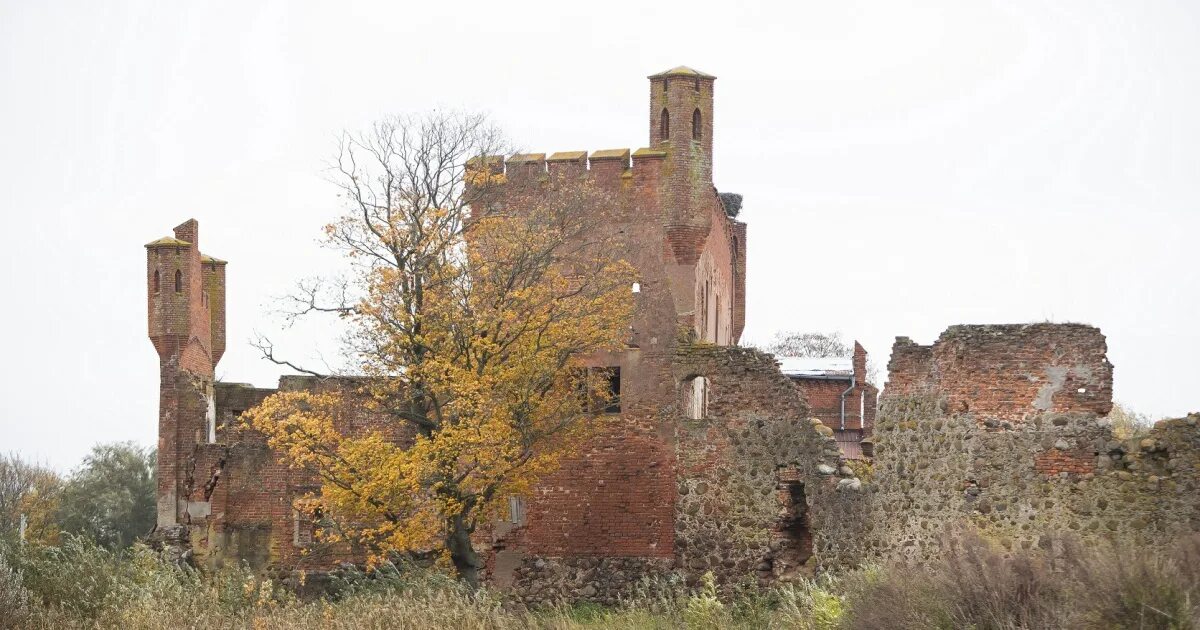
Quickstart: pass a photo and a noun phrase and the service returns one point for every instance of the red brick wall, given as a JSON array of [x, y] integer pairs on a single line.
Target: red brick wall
[[615, 500], [1008, 372], [1053, 461], [824, 401]]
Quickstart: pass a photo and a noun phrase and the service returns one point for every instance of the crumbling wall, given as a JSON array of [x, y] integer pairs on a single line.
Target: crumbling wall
[[762, 488], [758, 489], [1009, 372], [243, 495], [1001, 428]]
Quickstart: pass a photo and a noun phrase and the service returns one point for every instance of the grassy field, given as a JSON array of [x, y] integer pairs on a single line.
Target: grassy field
[[78, 585]]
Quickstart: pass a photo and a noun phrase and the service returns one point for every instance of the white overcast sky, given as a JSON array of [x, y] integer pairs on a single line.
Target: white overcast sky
[[906, 165]]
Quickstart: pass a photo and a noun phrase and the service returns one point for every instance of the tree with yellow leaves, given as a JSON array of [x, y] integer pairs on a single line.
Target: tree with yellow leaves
[[474, 301], [29, 500]]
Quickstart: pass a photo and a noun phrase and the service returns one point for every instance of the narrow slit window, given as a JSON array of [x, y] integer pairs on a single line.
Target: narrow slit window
[[664, 126], [157, 281], [178, 281], [696, 121]]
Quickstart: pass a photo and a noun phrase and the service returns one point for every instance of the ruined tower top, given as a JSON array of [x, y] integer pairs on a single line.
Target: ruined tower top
[[681, 118], [185, 293]]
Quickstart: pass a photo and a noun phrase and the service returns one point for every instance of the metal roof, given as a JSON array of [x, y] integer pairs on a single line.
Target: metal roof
[[826, 367]]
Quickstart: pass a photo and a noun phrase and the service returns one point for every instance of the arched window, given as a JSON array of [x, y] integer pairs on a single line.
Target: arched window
[[178, 281], [157, 282], [664, 126], [696, 120]]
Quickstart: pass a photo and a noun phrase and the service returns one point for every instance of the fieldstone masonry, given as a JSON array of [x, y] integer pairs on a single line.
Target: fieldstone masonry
[[1003, 428]]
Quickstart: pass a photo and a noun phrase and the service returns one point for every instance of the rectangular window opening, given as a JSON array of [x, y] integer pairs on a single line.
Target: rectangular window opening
[[604, 385], [302, 534], [614, 390], [516, 510]]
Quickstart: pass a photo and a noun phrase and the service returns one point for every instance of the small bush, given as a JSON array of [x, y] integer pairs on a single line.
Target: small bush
[[14, 597], [77, 576]]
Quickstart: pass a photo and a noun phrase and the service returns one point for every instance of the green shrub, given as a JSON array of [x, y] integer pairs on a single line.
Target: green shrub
[[704, 609]]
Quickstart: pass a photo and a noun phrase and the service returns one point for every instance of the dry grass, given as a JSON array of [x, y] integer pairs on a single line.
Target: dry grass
[[976, 585]]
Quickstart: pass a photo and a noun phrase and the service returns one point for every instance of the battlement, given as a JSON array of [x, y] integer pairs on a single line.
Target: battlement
[[603, 165], [1007, 372]]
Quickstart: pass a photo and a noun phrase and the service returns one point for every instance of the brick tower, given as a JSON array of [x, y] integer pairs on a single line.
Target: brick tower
[[681, 124], [185, 299]]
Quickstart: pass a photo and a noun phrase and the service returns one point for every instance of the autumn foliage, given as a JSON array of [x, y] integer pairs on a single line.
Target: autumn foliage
[[474, 303]]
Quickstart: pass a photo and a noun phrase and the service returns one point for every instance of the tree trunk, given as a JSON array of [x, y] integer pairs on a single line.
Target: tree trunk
[[462, 552]]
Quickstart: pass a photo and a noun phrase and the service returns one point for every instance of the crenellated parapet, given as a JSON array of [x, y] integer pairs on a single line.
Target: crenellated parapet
[[606, 167]]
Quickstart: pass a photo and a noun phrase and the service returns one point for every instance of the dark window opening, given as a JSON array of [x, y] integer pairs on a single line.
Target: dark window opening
[[157, 282], [601, 389], [614, 390], [696, 120], [178, 281], [664, 126]]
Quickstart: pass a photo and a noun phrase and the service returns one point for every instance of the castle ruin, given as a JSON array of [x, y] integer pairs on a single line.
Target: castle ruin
[[720, 461]]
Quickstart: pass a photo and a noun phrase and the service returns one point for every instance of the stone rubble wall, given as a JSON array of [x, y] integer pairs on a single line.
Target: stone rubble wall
[[606, 580], [972, 433], [737, 464]]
